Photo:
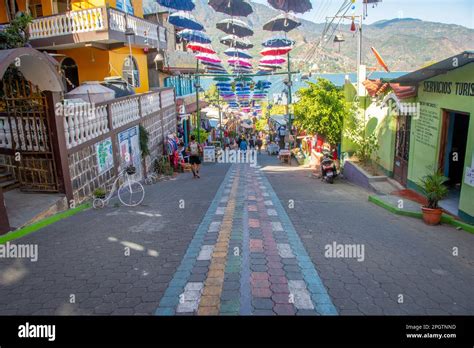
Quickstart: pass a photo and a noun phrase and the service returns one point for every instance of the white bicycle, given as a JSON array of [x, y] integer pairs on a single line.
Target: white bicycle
[[130, 192]]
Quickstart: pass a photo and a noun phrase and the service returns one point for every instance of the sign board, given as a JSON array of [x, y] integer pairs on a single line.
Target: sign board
[[129, 146], [209, 153], [105, 157], [469, 177]]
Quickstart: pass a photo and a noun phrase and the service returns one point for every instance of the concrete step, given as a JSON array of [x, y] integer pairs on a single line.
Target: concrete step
[[5, 177], [384, 187], [9, 185]]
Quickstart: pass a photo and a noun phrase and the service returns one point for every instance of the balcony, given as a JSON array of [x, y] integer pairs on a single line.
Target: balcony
[[99, 27]]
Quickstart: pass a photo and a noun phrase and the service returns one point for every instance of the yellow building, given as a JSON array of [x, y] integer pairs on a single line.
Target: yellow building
[[92, 39]]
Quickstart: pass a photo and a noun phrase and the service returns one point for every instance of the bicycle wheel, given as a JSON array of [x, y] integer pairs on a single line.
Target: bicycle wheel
[[98, 203], [131, 193]]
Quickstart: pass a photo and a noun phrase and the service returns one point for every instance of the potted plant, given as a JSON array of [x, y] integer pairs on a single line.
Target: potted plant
[[434, 189], [99, 193]]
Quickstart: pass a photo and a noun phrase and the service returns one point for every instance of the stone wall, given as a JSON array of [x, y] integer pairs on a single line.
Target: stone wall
[[83, 166]]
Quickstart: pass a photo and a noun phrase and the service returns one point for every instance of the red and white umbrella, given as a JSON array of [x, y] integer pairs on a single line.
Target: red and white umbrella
[[272, 60], [276, 51], [202, 48], [210, 58]]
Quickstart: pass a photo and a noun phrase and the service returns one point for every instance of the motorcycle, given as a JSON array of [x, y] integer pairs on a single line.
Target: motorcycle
[[328, 168]]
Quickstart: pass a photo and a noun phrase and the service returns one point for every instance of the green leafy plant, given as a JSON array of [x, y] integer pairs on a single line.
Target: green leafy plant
[[144, 139], [99, 193], [321, 109], [15, 34], [366, 144], [202, 135], [434, 189]]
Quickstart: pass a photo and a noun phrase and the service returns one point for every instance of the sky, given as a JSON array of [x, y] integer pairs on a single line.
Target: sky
[[444, 11]]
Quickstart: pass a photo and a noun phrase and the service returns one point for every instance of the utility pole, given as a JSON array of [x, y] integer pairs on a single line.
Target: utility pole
[[198, 116]]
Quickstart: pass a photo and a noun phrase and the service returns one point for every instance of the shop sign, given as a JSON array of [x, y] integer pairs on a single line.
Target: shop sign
[[209, 153], [469, 177], [105, 157], [448, 87]]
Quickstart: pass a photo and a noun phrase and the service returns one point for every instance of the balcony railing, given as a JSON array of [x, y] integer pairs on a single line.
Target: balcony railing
[[108, 24], [84, 126]]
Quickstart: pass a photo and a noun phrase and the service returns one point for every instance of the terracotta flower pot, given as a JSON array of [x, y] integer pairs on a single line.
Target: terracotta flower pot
[[431, 216]]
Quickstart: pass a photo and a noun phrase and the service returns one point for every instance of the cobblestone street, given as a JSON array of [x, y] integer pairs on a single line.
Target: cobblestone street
[[242, 241]]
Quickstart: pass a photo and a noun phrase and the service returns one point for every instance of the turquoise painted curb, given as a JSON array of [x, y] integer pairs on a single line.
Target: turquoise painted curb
[[41, 224], [448, 219]]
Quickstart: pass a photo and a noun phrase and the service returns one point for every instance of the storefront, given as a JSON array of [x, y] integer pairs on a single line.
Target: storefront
[[442, 133]]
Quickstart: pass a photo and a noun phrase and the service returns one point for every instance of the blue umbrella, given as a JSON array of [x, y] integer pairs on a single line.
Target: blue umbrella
[[181, 5], [278, 41], [223, 84], [194, 36], [184, 20], [235, 52]]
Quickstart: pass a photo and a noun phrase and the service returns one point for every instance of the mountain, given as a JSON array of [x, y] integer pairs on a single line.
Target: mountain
[[406, 44]]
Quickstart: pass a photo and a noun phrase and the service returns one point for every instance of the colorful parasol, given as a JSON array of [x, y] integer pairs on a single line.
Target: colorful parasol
[[180, 5], [296, 6], [234, 8], [272, 60], [194, 36], [284, 22], [235, 27], [202, 48], [185, 20]]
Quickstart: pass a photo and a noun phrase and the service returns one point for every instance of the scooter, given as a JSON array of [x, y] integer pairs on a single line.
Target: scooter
[[328, 168]]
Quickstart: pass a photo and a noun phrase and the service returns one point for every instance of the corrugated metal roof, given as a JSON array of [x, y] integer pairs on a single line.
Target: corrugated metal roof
[[436, 69]]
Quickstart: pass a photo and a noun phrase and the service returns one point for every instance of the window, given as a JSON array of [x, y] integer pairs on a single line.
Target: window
[[130, 72]]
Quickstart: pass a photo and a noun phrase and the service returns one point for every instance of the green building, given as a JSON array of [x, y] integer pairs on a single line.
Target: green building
[[423, 121]]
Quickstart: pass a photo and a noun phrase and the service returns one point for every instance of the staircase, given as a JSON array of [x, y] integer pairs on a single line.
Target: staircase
[[7, 181]]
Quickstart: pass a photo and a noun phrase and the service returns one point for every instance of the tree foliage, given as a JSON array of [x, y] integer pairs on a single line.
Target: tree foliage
[[14, 35], [211, 96], [321, 109]]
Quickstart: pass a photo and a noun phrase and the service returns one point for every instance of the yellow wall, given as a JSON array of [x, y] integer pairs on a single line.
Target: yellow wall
[[94, 64], [79, 5], [117, 58]]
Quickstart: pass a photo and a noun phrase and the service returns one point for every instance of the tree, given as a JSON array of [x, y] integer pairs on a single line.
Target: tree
[[321, 109], [15, 35], [211, 96]]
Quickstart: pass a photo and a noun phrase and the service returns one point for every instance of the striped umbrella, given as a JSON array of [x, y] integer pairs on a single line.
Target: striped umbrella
[[180, 5], [185, 20], [202, 48], [276, 51], [194, 36]]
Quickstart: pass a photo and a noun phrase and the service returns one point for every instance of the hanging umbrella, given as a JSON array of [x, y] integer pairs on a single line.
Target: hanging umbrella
[[235, 52], [180, 5], [202, 48], [276, 51], [236, 42], [278, 41], [243, 79], [284, 22], [237, 61], [209, 58], [234, 8], [223, 78], [296, 6], [184, 20], [234, 27], [272, 60], [194, 36]]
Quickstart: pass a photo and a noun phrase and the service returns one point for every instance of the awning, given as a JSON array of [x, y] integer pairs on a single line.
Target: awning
[[37, 67], [377, 87], [442, 67]]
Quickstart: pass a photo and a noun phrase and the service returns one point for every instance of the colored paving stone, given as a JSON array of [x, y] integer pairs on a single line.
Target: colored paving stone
[[255, 262]]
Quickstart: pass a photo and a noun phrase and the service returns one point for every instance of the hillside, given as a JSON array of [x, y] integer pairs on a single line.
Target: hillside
[[406, 44]]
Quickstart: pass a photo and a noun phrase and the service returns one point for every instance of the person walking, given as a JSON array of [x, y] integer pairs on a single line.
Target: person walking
[[259, 144], [195, 150], [243, 147]]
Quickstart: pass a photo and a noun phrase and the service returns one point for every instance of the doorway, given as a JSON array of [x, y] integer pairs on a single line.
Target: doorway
[[402, 149], [453, 154]]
